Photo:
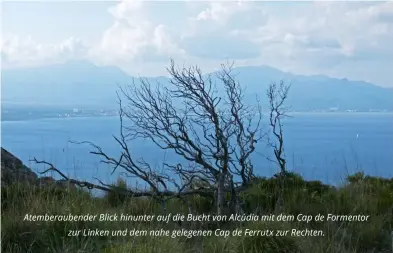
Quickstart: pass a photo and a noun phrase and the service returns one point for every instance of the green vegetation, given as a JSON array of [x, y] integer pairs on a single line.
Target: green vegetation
[[360, 194]]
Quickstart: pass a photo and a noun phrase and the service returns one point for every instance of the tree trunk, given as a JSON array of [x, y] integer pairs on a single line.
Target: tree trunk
[[221, 193], [280, 200], [235, 206]]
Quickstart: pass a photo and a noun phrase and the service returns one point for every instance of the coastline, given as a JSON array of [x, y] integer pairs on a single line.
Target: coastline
[[116, 116]]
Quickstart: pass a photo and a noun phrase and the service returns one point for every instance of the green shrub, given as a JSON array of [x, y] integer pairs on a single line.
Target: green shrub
[[264, 193], [115, 197]]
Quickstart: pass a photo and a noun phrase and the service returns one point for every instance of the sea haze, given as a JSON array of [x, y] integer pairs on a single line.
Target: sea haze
[[319, 146]]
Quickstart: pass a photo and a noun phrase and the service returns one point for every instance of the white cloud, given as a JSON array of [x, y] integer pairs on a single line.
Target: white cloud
[[134, 38], [308, 37], [318, 36], [217, 31], [221, 12], [26, 52]]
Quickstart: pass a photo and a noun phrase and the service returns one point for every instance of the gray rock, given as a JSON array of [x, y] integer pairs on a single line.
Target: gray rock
[[14, 171]]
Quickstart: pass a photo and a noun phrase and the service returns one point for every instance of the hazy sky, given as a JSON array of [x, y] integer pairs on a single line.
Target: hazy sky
[[341, 39]]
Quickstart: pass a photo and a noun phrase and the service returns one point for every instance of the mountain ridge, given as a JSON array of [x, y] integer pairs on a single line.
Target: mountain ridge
[[82, 83]]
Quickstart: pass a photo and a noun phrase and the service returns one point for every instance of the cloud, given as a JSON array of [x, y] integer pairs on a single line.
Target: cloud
[[26, 52], [304, 41], [381, 12], [305, 37], [133, 37], [228, 13], [216, 32], [220, 46], [329, 33]]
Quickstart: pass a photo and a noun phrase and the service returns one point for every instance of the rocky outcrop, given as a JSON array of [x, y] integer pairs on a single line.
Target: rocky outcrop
[[14, 171]]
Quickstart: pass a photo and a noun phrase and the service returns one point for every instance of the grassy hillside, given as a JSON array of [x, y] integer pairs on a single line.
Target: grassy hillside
[[358, 195]]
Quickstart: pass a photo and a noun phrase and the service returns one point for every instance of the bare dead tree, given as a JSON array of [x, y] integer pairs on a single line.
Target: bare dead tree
[[277, 94], [215, 133]]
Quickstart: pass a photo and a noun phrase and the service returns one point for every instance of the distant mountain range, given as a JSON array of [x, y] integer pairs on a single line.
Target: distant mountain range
[[81, 84]]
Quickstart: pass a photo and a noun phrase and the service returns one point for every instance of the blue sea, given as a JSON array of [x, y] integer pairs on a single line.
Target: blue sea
[[325, 146]]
